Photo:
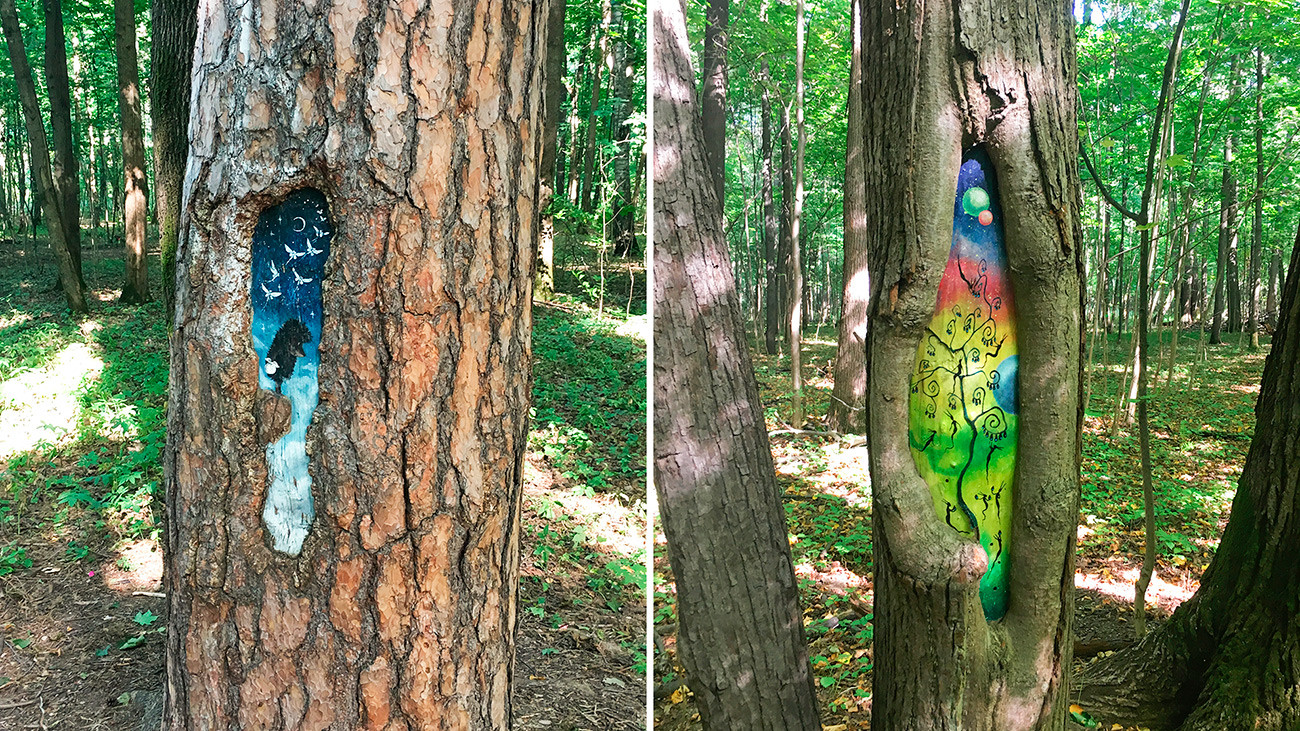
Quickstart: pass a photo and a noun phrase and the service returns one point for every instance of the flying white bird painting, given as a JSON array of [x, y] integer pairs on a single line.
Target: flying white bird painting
[[271, 293], [312, 251], [300, 279], [275, 273], [293, 254]]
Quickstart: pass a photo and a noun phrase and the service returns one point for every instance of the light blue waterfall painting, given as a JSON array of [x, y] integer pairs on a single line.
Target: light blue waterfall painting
[[290, 246]]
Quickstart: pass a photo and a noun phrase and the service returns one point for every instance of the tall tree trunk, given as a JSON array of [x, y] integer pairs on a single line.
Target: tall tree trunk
[[741, 637], [847, 410], [553, 96], [352, 562], [797, 305], [623, 216], [136, 203], [940, 663], [1257, 227], [586, 59], [1274, 282], [1222, 661], [787, 223], [63, 165], [174, 24], [1227, 240], [713, 99], [602, 61], [42, 177], [771, 231]]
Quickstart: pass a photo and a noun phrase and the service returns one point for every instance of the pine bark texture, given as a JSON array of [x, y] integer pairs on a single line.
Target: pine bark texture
[[136, 203], [1226, 659], [174, 25], [63, 165], [943, 77], [847, 412], [741, 634], [41, 175], [419, 122]]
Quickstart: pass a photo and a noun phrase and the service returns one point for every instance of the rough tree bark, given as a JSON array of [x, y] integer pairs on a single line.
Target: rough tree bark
[[420, 131], [63, 165], [741, 634], [174, 23], [1005, 82], [42, 177], [136, 203], [713, 98], [1224, 660], [847, 411]]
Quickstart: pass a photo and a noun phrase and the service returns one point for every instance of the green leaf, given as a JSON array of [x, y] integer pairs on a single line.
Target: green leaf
[[1107, 143], [1177, 161], [102, 652], [22, 644], [826, 681], [146, 618], [133, 642]]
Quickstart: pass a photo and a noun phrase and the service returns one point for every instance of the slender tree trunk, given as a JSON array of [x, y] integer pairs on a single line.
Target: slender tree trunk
[[940, 664], [43, 178], [771, 231], [713, 98], [63, 165], [175, 23], [623, 221], [1222, 661], [603, 60], [136, 203], [553, 96], [1274, 282], [787, 224], [576, 150], [1227, 239], [353, 562], [1257, 227], [847, 410], [741, 638], [797, 305]]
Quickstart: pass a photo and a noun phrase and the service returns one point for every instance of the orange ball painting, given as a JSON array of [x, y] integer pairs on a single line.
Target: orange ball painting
[[986, 217]]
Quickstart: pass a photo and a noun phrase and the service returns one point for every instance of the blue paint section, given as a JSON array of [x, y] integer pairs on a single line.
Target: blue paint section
[[290, 246]]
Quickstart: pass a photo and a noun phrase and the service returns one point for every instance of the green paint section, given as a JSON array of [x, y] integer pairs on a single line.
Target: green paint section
[[962, 407]]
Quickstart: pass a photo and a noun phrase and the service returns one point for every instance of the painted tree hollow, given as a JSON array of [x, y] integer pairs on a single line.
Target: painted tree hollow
[[963, 402], [290, 245]]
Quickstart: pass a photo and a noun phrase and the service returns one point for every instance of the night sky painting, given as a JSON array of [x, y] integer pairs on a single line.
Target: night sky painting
[[962, 422], [290, 246]]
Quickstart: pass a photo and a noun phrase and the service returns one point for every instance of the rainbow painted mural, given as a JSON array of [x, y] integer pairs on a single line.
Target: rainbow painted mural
[[962, 425]]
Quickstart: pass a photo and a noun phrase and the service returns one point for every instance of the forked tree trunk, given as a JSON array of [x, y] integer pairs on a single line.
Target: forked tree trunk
[[1225, 659], [935, 91], [63, 166], [136, 203], [171, 53], [741, 634], [847, 410], [42, 178], [381, 595]]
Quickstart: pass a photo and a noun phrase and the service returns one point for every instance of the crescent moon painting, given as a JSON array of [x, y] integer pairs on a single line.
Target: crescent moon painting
[[963, 404], [287, 316]]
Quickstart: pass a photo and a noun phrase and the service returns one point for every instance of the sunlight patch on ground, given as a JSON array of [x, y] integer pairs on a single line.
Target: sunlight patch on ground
[[41, 405], [1119, 585], [14, 318], [609, 523], [835, 579], [138, 566], [636, 326]]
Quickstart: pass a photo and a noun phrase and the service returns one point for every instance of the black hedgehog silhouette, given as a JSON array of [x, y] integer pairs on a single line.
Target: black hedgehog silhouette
[[285, 351]]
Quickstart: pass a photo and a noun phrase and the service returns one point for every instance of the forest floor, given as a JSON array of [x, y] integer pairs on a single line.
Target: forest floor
[[82, 418], [1201, 431]]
